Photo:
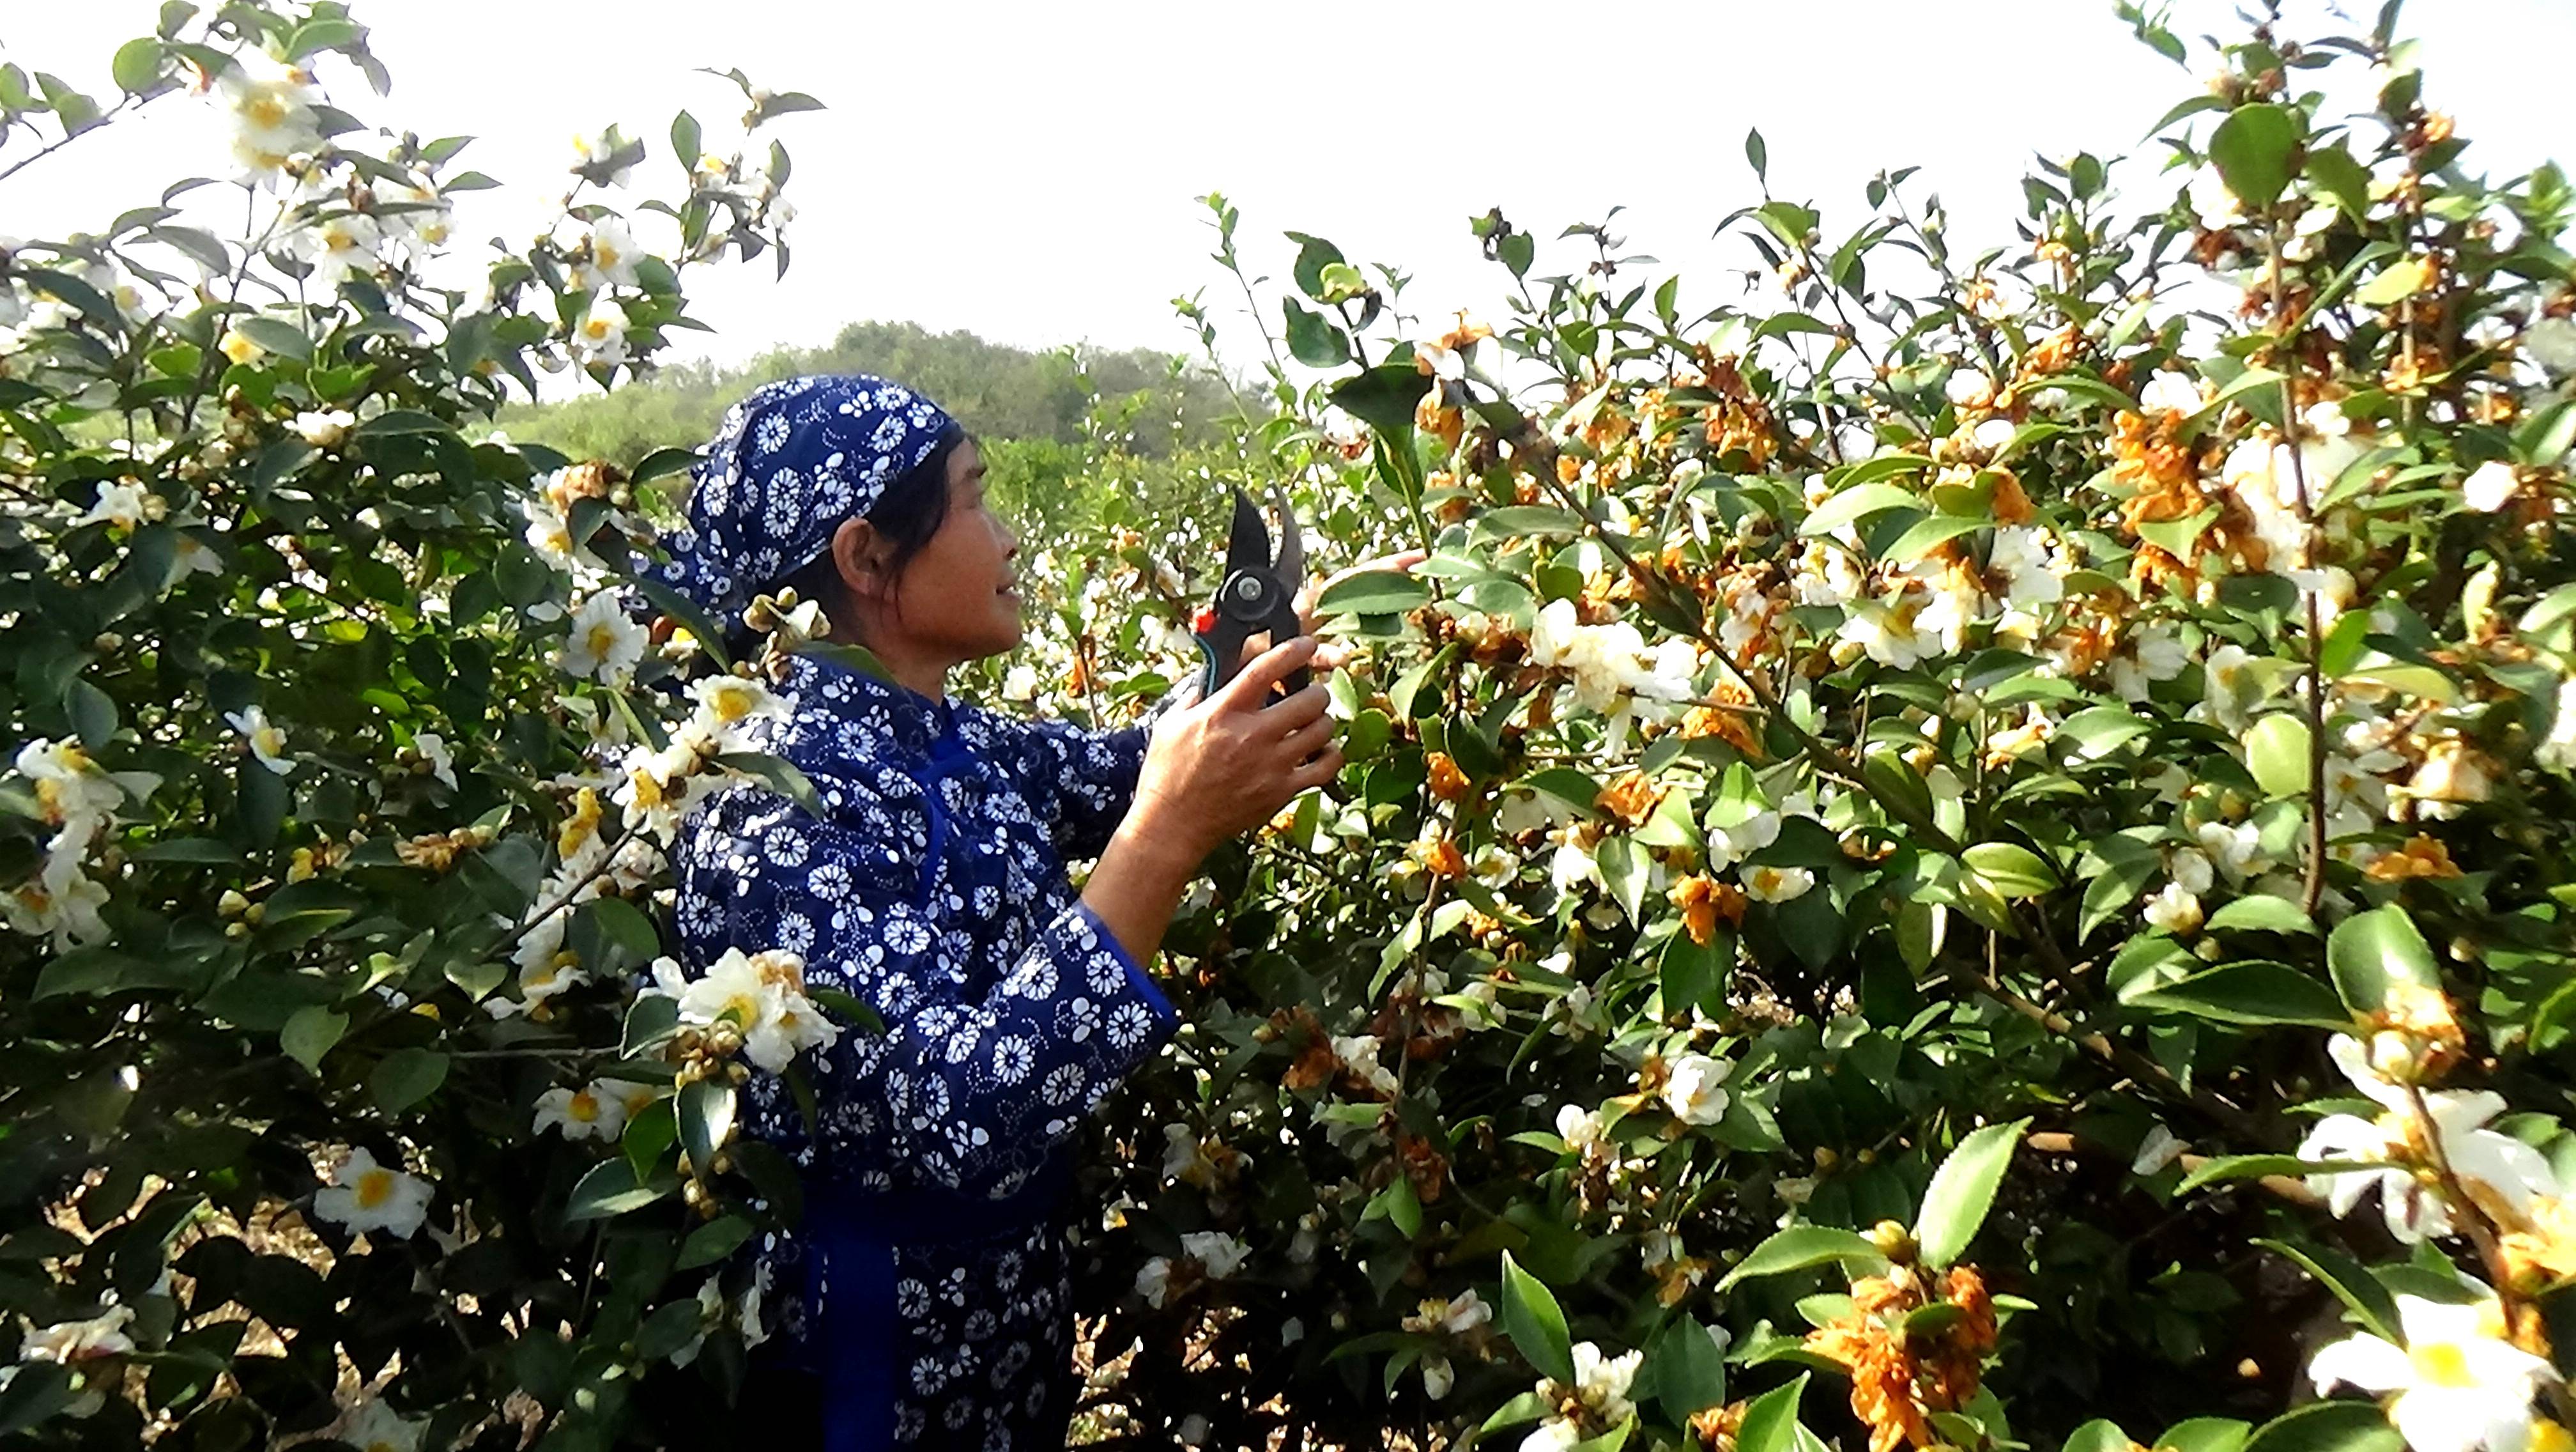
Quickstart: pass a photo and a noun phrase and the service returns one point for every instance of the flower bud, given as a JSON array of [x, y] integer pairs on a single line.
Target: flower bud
[[1893, 1241]]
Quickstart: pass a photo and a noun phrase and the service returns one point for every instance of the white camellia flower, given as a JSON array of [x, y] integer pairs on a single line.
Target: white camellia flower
[[2457, 1385], [612, 258], [593, 148], [2175, 909], [597, 1111], [600, 335], [365, 1196], [2511, 1171], [2172, 392], [339, 248], [1154, 1280], [433, 751], [605, 642], [270, 105], [83, 1340], [1601, 1386], [1579, 1127], [1358, 1053], [1020, 683], [325, 428], [1891, 635], [60, 902], [376, 1427], [1219, 1252], [122, 503], [1691, 1089], [267, 741], [726, 702], [2490, 486], [764, 994], [69, 786], [1776, 884]]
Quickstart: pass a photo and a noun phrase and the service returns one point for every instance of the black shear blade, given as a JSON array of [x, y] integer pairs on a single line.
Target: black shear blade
[[1247, 545], [1290, 569]]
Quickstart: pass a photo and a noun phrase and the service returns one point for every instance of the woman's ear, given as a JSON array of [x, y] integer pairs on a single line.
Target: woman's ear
[[859, 556]]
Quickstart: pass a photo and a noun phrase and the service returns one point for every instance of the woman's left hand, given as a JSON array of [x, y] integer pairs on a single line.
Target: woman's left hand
[[1332, 653]]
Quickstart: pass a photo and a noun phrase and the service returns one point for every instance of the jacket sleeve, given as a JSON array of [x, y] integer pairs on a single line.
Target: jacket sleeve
[[1082, 781], [974, 1089]]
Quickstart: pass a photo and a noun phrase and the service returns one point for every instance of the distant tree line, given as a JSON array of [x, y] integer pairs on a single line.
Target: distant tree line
[[998, 391]]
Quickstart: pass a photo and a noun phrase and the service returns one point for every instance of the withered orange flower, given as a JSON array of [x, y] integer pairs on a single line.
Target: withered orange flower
[[2422, 856], [1631, 798], [1447, 782]]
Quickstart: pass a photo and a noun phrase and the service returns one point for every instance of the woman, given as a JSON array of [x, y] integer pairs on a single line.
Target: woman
[[926, 1290]]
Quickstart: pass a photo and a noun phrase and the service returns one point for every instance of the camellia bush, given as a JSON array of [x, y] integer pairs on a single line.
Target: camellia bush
[[1957, 850], [347, 1091], [1953, 851]]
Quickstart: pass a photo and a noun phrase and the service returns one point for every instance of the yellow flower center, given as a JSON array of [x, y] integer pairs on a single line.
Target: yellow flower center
[[594, 328], [265, 110], [730, 702], [584, 1107], [601, 640], [2442, 1363], [607, 255], [374, 1188]]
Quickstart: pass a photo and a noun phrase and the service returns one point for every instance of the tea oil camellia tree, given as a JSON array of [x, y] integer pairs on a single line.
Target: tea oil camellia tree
[[1967, 856], [339, 786]]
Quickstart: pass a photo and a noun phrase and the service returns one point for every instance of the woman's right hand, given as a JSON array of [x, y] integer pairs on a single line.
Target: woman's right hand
[[1225, 765]]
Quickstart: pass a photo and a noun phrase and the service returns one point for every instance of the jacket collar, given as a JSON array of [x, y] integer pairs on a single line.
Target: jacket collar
[[915, 723]]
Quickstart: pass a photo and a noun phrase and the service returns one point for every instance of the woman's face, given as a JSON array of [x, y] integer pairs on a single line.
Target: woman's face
[[958, 599]]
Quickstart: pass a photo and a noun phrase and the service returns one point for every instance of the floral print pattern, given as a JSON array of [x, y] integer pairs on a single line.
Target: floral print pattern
[[932, 887]]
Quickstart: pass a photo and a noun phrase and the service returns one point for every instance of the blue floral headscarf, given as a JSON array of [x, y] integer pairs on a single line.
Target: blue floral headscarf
[[791, 464]]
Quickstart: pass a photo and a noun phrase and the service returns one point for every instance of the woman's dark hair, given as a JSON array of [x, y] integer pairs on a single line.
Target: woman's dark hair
[[911, 510]]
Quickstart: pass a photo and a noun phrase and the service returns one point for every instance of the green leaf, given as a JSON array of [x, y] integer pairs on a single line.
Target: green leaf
[[310, 1032], [1687, 1369], [2253, 993], [278, 336], [1529, 1406], [2396, 283], [2254, 150], [672, 1325], [2352, 1283], [1757, 156], [1928, 532], [1963, 1190], [2249, 1167], [1856, 502], [2262, 913], [406, 1077], [1312, 338], [2276, 751], [706, 1112], [138, 65], [2010, 870], [1378, 592], [653, 1018], [684, 140], [1383, 398], [1771, 1422], [1535, 1324], [713, 1241], [2328, 1427], [610, 1189], [394, 421], [2369, 951], [2203, 1434], [662, 463], [321, 33], [1800, 1247]]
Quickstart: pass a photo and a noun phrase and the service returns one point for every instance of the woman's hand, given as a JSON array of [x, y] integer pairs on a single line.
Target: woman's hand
[[1225, 765]]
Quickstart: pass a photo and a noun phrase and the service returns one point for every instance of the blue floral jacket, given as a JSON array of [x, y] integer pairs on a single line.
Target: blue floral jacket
[[933, 888]]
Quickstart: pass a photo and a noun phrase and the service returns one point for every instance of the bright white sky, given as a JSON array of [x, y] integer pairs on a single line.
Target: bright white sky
[[1027, 170]]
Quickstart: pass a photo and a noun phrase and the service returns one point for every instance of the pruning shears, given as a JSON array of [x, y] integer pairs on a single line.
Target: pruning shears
[[1258, 594]]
